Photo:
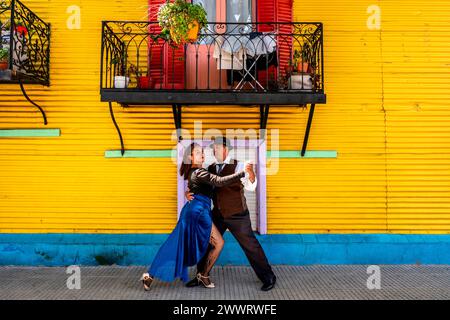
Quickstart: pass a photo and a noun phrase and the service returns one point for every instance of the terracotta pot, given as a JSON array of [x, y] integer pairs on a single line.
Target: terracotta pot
[[303, 67], [3, 65], [145, 82]]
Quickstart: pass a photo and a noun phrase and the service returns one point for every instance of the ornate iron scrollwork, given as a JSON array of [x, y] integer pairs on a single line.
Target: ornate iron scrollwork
[[27, 39], [25, 46]]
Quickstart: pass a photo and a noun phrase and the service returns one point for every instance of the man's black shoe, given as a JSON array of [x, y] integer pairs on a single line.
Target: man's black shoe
[[193, 283], [269, 285]]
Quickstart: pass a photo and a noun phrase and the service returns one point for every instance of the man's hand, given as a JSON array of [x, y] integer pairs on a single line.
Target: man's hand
[[249, 170], [189, 196]]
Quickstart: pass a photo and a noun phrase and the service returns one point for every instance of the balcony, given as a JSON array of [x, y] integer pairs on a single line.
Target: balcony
[[230, 63], [25, 44], [24, 48], [261, 63]]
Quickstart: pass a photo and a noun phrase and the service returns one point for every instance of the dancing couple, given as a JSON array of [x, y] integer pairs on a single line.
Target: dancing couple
[[197, 239]]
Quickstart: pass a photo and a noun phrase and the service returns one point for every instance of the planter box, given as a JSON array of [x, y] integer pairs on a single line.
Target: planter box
[[121, 82], [5, 75], [302, 81]]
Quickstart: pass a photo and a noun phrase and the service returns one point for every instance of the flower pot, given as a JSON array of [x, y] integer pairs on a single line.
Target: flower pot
[[145, 82], [303, 67], [3, 65], [192, 32], [300, 82], [121, 82]]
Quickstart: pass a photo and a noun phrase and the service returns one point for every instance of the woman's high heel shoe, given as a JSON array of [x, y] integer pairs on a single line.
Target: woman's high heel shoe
[[200, 280], [146, 281]]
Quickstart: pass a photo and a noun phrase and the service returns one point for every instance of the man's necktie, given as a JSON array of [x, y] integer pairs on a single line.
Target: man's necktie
[[220, 167]]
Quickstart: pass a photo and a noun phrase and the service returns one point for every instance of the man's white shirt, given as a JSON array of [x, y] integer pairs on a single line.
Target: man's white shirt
[[248, 185]]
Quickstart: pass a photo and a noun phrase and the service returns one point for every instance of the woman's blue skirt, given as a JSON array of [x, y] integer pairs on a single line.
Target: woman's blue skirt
[[187, 243]]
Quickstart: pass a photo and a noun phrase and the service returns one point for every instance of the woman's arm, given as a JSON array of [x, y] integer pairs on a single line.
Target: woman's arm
[[206, 177]]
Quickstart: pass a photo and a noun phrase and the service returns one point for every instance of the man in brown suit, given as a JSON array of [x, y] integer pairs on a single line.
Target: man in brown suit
[[230, 212]]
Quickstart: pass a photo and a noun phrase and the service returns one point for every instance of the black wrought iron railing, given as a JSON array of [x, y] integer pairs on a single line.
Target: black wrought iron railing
[[25, 45], [226, 57]]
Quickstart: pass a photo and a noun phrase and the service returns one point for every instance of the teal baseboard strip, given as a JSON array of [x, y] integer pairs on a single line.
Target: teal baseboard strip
[[61, 249], [296, 154], [140, 154], [26, 133]]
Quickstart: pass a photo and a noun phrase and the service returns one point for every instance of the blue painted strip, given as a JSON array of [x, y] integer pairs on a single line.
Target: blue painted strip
[[292, 249], [9, 133], [141, 154]]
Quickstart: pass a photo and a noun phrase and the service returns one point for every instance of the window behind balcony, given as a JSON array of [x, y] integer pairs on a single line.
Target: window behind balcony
[[239, 11]]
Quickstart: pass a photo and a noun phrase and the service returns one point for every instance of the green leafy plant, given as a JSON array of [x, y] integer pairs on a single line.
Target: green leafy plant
[[119, 62], [179, 17], [302, 59], [296, 57], [4, 54]]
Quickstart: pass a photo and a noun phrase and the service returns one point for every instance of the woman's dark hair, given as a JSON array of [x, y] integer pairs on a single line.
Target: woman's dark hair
[[186, 164]]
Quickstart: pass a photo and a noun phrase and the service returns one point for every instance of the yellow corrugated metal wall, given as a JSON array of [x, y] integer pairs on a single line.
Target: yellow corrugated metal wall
[[388, 106], [387, 115]]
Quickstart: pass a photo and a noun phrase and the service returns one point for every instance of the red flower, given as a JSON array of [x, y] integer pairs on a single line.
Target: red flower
[[22, 30]]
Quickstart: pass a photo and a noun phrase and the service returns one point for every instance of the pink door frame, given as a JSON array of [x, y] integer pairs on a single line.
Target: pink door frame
[[261, 146]]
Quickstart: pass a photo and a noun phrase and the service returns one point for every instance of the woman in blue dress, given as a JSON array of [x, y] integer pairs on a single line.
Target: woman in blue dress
[[189, 241]]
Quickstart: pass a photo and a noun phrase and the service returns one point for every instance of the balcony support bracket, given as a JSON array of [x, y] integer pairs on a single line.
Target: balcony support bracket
[[263, 117], [176, 110], [31, 101], [308, 127], [111, 112]]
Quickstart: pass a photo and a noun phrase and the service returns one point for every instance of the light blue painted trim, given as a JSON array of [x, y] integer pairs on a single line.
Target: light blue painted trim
[[291, 249], [172, 153], [9, 133], [297, 155], [141, 154]]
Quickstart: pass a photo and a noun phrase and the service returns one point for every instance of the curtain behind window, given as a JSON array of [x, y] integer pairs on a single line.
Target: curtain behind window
[[239, 11]]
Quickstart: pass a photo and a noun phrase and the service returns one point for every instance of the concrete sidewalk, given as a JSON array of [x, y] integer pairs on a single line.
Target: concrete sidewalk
[[232, 282]]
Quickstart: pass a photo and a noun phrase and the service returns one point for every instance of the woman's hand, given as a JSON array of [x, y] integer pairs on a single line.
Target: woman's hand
[[189, 196]]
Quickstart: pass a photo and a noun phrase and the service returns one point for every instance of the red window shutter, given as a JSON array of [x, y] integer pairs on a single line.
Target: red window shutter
[[156, 49], [277, 11], [284, 14], [174, 59], [166, 63]]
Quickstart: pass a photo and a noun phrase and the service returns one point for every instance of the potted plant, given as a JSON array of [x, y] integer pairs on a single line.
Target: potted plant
[[121, 78], [4, 57], [302, 59], [300, 71], [182, 19], [143, 81], [298, 80]]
